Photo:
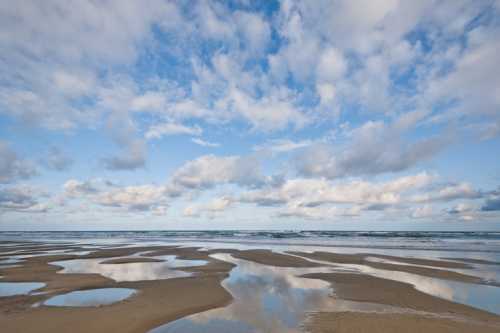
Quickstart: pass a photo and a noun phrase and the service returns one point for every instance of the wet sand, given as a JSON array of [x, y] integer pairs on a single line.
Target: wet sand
[[129, 261], [475, 261], [267, 257], [365, 288], [356, 322], [362, 259], [155, 303], [160, 301]]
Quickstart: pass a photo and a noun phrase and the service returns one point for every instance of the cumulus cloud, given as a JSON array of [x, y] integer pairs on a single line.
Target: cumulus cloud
[[313, 193], [374, 148], [387, 85], [449, 193], [21, 199], [66, 52], [209, 170], [213, 207], [138, 198], [371, 58], [76, 188], [134, 198], [13, 167]]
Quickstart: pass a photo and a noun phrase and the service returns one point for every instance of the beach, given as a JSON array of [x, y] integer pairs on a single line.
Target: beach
[[158, 284]]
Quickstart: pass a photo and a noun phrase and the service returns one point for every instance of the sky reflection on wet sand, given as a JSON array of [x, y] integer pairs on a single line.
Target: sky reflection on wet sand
[[274, 299], [18, 288], [93, 297], [137, 271], [266, 299]]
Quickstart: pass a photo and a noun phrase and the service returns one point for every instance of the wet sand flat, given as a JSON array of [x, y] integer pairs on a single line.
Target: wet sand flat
[[356, 322], [363, 259], [129, 261], [158, 302]]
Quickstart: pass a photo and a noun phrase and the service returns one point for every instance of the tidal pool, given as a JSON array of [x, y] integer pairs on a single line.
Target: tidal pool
[[476, 295], [480, 296], [92, 297], [137, 271], [18, 288], [266, 299], [275, 299]]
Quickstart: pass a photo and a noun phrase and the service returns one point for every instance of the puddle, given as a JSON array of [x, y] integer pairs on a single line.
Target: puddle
[[18, 288], [137, 271], [266, 299], [10, 260], [93, 297], [275, 299], [476, 295]]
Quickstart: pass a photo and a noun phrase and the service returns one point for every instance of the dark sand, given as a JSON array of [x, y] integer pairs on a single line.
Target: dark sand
[[129, 261], [360, 259], [267, 257], [156, 302], [358, 322], [475, 261]]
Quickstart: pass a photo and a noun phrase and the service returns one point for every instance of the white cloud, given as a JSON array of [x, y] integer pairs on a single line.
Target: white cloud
[[208, 171], [56, 159], [134, 198], [472, 84], [204, 143], [283, 145], [138, 198], [13, 167], [450, 193], [374, 148], [133, 157], [316, 192], [165, 129], [255, 30], [213, 207], [326, 92], [394, 71], [74, 84], [462, 208], [66, 52], [424, 211], [331, 65], [74, 188], [21, 198]]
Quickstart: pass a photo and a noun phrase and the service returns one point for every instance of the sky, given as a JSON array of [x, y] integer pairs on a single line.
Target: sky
[[294, 114]]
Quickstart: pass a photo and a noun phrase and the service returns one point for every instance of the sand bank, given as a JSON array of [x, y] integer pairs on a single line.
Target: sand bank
[[359, 322], [362, 259], [155, 303], [129, 261]]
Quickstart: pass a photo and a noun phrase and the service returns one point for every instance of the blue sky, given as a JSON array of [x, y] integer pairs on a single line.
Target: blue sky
[[250, 114]]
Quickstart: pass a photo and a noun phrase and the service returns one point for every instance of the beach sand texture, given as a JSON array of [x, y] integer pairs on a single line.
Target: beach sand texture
[[160, 301]]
